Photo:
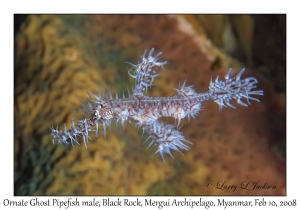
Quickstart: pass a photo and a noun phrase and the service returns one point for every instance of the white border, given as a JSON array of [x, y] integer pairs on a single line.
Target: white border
[[154, 6]]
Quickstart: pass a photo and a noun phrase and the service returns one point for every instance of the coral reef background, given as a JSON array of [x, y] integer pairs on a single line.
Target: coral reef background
[[58, 58]]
